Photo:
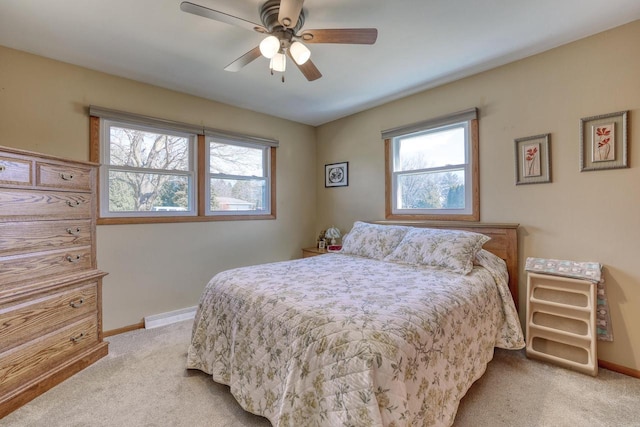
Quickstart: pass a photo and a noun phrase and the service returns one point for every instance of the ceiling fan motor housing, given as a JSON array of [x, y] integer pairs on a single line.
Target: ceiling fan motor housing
[[269, 16]]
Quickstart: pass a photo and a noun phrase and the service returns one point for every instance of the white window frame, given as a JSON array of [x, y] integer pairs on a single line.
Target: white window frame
[[266, 177], [106, 167], [467, 120]]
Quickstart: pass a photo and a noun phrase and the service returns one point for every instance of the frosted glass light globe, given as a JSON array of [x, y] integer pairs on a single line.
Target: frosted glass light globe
[[278, 62], [300, 53], [269, 46]]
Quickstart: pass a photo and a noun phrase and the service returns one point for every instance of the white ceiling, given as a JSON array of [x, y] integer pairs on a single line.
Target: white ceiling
[[421, 44]]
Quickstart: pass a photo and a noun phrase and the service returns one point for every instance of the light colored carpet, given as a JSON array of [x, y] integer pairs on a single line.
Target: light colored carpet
[[142, 382]]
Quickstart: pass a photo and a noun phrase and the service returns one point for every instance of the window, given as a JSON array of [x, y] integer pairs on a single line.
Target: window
[[154, 170], [146, 171], [432, 169], [237, 178]]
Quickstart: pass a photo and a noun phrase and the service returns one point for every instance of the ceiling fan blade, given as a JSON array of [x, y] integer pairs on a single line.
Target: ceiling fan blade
[[289, 12], [309, 69], [244, 60], [341, 35], [216, 15]]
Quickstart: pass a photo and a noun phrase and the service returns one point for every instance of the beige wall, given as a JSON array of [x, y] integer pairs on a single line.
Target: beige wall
[[580, 216], [160, 267], [588, 216]]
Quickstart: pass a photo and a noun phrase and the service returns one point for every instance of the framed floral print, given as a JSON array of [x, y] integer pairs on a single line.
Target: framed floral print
[[533, 159], [603, 142], [336, 174]]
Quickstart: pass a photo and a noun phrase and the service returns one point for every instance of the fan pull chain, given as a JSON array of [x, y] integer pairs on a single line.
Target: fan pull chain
[[282, 75]]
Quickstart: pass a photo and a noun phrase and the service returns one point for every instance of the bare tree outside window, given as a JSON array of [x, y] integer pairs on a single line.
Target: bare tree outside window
[[148, 170], [158, 170], [429, 190]]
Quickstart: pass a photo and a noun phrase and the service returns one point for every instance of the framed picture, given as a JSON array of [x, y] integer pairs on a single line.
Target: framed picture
[[603, 142], [533, 164], [336, 174]]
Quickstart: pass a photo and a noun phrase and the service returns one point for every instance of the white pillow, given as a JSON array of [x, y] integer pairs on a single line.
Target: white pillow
[[453, 250], [372, 240]]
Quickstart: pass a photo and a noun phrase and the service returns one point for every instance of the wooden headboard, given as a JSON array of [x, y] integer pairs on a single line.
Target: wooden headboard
[[503, 243]]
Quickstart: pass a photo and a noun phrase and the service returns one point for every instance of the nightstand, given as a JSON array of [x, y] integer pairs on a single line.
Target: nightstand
[[309, 252]]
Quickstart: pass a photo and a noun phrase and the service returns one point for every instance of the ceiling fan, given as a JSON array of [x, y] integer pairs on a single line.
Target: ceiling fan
[[282, 21]]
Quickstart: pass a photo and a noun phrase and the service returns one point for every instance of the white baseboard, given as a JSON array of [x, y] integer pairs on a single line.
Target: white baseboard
[[169, 317]]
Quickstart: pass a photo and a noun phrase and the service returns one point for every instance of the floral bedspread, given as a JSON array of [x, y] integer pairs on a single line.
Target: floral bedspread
[[339, 340]]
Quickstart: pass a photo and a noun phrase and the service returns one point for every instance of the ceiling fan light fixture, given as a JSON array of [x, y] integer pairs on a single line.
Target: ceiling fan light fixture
[[278, 62], [299, 52], [282, 23], [269, 46]]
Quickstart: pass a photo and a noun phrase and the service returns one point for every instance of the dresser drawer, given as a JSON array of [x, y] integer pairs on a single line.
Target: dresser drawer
[[20, 268], [63, 177], [15, 204], [37, 357], [35, 316], [15, 171], [23, 237]]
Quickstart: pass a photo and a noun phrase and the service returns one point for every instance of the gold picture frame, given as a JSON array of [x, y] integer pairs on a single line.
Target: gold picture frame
[[603, 142]]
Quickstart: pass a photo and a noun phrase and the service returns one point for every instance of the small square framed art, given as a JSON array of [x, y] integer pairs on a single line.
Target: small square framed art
[[336, 174]]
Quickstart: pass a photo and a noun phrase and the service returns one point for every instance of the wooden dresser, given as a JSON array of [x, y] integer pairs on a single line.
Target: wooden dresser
[[50, 288]]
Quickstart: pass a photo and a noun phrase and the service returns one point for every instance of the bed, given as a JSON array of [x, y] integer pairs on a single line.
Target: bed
[[392, 331]]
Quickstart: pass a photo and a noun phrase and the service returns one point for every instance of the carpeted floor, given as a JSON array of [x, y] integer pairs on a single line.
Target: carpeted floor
[[142, 382]]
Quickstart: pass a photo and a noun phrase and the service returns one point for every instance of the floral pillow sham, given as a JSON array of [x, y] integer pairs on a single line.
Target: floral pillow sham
[[372, 240], [454, 250]]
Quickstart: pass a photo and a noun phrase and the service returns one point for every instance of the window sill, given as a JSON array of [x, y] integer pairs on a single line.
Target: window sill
[[462, 217], [175, 219]]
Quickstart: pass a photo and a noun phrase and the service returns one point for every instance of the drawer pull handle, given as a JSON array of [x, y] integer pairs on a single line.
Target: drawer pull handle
[[78, 337], [73, 259], [74, 232], [66, 176], [73, 203], [78, 304], [2, 168]]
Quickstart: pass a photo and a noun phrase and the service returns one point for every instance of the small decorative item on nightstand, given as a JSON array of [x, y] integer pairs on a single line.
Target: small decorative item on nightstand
[[321, 244], [333, 233]]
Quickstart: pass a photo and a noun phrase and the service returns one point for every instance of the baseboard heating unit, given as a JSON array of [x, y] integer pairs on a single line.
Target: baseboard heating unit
[[169, 317]]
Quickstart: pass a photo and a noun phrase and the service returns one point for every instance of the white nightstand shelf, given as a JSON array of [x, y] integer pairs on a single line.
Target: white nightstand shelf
[[561, 321]]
